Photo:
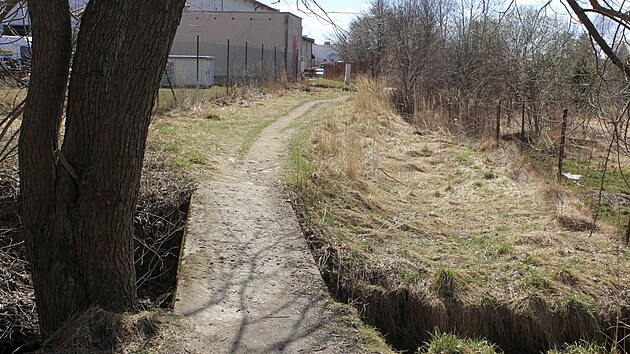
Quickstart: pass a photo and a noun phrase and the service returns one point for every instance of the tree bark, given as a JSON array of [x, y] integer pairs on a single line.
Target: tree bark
[[81, 245], [50, 255]]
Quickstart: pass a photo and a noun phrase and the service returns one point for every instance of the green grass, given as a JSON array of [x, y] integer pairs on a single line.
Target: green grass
[[367, 338], [615, 182], [319, 82], [299, 158], [166, 100], [581, 347], [591, 171], [195, 139], [578, 302], [251, 135], [447, 343], [489, 175], [445, 284]]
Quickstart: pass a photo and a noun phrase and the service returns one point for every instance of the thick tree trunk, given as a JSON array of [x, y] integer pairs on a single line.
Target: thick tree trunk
[[50, 256], [81, 246]]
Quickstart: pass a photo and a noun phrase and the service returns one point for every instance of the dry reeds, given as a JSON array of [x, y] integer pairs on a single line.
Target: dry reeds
[[100, 331], [427, 231], [373, 100]]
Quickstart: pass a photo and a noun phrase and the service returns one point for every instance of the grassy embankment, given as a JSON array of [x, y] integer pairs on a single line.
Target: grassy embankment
[[200, 132], [187, 141], [434, 231]]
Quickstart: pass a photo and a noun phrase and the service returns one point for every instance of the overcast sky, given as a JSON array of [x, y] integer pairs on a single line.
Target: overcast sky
[[342, 12]]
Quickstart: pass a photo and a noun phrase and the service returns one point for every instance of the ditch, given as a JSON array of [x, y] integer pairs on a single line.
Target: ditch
[[159, 226]]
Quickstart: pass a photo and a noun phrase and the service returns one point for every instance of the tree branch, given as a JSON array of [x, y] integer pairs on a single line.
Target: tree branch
[[601, 42]]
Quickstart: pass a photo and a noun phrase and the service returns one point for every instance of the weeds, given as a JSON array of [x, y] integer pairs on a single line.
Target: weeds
[[445, 283], [582, 347], [446, 343], [478, 218]]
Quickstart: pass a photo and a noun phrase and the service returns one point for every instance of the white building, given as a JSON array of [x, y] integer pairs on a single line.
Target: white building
[[325, 53], [263, 40]]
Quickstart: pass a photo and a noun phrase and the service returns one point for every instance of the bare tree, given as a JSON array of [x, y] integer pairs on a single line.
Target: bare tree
[[613, 46], [617, 15], [365, 40], [415, 42]]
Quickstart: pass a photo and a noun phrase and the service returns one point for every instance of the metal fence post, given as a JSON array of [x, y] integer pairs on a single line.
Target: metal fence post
[[227, 75], [563, 137], [197, 61]]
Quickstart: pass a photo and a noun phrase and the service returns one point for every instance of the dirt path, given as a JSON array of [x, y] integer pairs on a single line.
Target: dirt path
[[248, 281]]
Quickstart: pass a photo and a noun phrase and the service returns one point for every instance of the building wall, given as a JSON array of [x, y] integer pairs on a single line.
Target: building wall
[[19, 17], [271, 41], [325, 53], [306, 53]]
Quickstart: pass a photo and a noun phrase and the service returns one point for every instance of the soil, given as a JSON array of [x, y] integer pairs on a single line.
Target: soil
[[248, 282]]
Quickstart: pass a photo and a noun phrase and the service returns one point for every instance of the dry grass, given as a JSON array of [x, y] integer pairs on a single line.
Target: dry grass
[[199, 135], [10, 96], [99, 331], [185, 144], [458, 224]]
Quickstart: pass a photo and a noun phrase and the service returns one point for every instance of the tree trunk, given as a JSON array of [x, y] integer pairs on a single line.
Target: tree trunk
[[79, 201]]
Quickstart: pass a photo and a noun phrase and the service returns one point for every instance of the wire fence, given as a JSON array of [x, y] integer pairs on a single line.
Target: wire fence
[[547, 127], [238, 63]]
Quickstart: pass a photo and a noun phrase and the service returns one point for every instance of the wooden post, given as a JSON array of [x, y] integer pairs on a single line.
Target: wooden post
[[563, 137], [498, 131], [466, 119], [628, 233], [523, 122], [415, 108], [450, 112], [425, 117], [537, 118], [477, 118]]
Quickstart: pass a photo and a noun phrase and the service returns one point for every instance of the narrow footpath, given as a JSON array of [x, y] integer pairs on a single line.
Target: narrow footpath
[[248, 282]]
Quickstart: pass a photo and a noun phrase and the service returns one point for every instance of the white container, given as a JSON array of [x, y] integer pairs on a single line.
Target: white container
[[189, 71]]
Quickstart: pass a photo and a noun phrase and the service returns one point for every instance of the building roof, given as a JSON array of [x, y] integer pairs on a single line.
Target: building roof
[[258, 3], [228, 5]]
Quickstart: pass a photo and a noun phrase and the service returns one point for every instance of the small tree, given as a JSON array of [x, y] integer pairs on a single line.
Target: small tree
[[79, 191]]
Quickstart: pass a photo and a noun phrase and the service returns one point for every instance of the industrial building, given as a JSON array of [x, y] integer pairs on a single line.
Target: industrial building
[[325, 53], [247, 39], [246, 44]]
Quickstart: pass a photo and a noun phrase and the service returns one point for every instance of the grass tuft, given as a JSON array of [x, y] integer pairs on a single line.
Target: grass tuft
[[447, 343], [445, 283]]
